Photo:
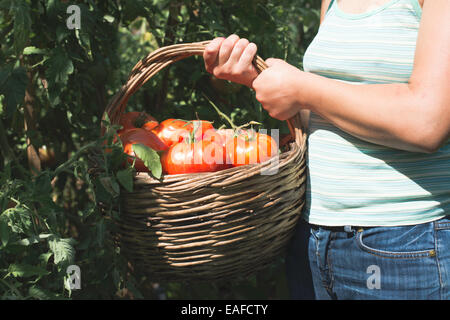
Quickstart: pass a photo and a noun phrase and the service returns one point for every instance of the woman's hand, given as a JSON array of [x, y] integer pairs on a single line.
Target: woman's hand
[[231, 59], [278, 89]]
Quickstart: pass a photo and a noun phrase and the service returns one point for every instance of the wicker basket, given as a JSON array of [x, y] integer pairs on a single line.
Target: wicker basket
[[208, 226]]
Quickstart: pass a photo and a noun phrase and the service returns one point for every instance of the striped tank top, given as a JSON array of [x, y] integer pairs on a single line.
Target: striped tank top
[[351, 181]]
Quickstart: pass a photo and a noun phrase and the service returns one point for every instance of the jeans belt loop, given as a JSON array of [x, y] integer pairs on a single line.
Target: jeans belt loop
[[348, 229]]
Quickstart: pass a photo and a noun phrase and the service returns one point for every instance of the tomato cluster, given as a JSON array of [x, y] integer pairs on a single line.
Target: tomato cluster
[[193, 146]]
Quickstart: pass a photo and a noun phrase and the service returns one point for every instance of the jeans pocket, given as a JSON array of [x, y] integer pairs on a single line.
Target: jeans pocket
[[406, 242]]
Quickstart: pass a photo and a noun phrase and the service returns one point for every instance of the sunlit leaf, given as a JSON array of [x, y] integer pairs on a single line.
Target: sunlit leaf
[[150, 158], [4, 231], [34, 50], [62, 250], [26, 270]]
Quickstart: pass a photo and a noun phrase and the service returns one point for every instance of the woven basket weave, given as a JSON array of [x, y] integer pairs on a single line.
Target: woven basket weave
[[208, 226]]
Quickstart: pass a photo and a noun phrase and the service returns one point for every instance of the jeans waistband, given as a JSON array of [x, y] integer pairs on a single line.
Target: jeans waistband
[[348, 229]]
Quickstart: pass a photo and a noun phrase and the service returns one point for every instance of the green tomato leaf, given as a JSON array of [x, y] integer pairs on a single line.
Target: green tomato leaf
[[125, 178], [33, 239], [5, 4], [4, 232], [101, 194], [59, 67], [13, 83], [84, 42], [43, 258], [150, 158], [39, 293], [33, 50], [20, 9], [19, 220], [62, 249], [110, 185], [26, 270], [43, 185]]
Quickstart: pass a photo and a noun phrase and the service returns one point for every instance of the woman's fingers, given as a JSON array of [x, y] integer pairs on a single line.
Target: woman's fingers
[[237, 51], [226, 48], [231, 59], [211, 52], [248, 54]]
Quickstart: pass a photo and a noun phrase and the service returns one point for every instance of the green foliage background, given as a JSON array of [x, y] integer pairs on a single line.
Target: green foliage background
[[54, 86]]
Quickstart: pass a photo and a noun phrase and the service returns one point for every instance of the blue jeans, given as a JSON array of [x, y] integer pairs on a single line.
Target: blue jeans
[[404, 263]]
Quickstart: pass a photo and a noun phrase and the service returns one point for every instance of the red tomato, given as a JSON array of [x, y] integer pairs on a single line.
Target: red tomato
[[141, 136], [199, 156], [230, 134], [172, 131], [202, 128], [134, 119], [219, 136], [225, 135], [250, 148]]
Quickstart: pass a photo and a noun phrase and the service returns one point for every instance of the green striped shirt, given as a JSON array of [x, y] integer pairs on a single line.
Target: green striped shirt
[[351, 181]]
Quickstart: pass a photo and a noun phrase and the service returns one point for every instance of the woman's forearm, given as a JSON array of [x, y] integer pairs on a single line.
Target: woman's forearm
[[394, 115]]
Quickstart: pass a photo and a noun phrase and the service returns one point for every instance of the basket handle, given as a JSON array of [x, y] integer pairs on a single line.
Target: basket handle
[[161, 58]]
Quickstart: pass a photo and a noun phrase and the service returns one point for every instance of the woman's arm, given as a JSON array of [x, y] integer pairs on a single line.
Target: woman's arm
[[414, 116]]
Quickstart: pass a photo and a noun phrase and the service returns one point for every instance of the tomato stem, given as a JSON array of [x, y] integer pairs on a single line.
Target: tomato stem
[[251, 123], [73, 158], [223, 115]]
